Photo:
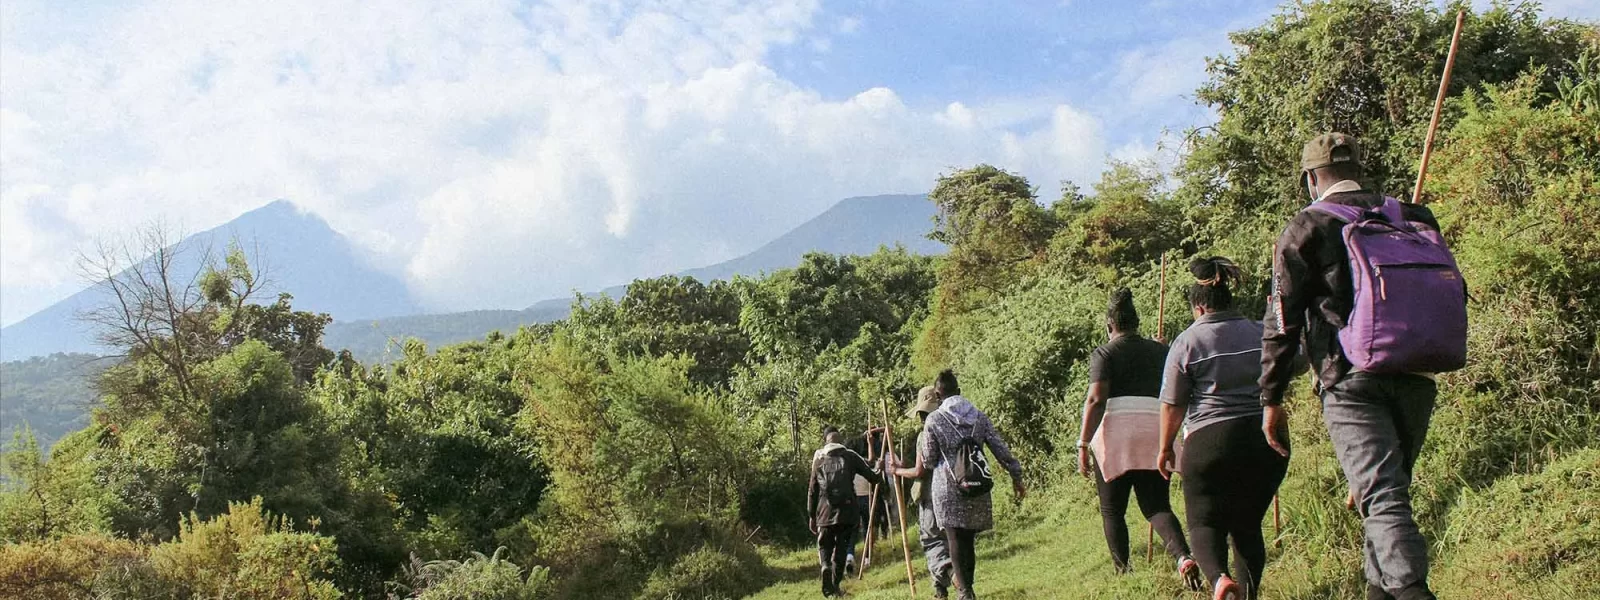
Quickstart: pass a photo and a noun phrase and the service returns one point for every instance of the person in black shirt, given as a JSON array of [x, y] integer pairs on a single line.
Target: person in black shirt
[[831, 504], [1125, 380]]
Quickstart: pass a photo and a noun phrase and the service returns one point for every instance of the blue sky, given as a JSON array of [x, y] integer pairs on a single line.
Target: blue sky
[[571, 145]]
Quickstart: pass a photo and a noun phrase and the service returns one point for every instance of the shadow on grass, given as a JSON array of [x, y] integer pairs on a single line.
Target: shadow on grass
[[1008, 550]]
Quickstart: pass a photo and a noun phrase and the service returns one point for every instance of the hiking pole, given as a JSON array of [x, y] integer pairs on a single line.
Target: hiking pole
[[1277, 520], [899, 501], [1161, 305], [1438, 106], [1149, 542], [1161, 334], [872, 509]]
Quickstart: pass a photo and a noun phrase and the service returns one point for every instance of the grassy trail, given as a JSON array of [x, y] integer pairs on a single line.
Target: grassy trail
[[1051, 548], [1529, 537]]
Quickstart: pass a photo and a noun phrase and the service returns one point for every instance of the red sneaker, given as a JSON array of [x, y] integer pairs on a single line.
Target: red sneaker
[[1227, 589], [1189, 572]]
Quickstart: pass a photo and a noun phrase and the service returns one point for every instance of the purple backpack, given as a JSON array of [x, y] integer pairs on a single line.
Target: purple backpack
[[1410, 309]]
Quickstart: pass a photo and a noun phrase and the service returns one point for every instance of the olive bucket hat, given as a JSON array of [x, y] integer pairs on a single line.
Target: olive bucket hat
[[927, 401], [1329, 149]]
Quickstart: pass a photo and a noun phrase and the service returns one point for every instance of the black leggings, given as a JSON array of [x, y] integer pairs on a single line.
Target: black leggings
[[962, 545], [1154, 503], [1230, 475]]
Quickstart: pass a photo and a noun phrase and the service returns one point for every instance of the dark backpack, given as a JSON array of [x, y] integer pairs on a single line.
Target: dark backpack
[[1409, 313], [836, 478], [969, 468]]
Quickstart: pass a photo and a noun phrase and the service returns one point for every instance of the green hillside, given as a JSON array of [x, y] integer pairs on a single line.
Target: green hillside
[[656, 445]]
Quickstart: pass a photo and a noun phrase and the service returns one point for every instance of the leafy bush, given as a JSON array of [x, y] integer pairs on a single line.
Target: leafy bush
[[706, 573], [70, 568], [478, 578], [247, 554]]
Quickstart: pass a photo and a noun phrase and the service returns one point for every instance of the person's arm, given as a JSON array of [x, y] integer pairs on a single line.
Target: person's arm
[[1176, 392], [1094, 406], [1283, 327], [1094, 411], [1002, 453], [866, 471], [1293, 287], [925, 447], [811, 498]]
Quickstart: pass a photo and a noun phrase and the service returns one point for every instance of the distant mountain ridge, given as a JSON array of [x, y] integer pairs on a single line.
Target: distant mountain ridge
[[858, 225], [300, 252]]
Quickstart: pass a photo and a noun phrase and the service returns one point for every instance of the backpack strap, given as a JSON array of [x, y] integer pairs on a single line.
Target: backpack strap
[[1388, 211], [1342, 212], [956, 427]]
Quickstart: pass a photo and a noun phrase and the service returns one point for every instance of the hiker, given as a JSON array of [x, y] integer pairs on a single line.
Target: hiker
[[831, 504], [1121, 421], [1230, 473], [952, 448], [1376, 384], [929, 533]]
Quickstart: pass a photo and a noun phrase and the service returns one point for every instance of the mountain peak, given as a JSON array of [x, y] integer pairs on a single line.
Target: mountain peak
[[297, 251]]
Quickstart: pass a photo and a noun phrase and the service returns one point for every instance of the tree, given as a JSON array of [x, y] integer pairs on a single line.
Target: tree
[[1368, 68], [1125, 227], [670, 315], [993, 225]]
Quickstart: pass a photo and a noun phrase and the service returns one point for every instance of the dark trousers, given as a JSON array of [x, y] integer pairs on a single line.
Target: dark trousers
[[963, 548], [1230, 475], [833, 545], [1377, 424], [1152, 490]]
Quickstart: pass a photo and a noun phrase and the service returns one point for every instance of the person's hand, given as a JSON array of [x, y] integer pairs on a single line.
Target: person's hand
[[1275, 424], [1083, 461], [1018, 490], [1166, 462], [1350, 500], [811, 523]]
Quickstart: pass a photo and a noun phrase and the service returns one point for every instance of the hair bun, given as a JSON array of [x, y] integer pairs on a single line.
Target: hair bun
[[1215, 270], [1121, 298]]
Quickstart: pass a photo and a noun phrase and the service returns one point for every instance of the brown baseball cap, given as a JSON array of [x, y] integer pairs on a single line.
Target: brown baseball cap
[[927, 401], [1328, 149]]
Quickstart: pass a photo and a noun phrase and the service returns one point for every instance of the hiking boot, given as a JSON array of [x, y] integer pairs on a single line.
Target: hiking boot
[[1189, 572], [1415, 591], [1377, 593], [849, 564], [940, 592], [1227, 589], [966, 594], [829, 588]]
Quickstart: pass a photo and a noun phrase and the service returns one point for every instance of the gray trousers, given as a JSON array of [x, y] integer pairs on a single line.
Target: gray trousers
[[1377, 424], [934, 546]]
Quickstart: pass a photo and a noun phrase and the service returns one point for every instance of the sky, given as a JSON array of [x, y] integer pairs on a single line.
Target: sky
[[492, 153]]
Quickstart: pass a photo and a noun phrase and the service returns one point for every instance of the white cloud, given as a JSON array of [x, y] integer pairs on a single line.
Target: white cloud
[[848, 25], [1160, 73], [492, 153]]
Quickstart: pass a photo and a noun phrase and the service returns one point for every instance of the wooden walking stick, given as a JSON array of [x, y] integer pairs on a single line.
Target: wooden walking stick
[[1161, 305], [899, 502], [1161, 334], [1277, 519], [872, 509], [1438, 106]]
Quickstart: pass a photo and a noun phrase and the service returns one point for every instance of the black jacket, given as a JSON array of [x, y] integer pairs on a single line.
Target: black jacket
[[1312, 294], [833, 463]]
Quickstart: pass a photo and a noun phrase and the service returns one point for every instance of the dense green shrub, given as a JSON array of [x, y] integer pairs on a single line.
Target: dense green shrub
[[478, 577]]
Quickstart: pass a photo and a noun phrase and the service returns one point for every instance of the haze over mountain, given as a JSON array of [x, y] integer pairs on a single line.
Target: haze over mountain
[[857, 225], [298, 252], [307, 258]]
